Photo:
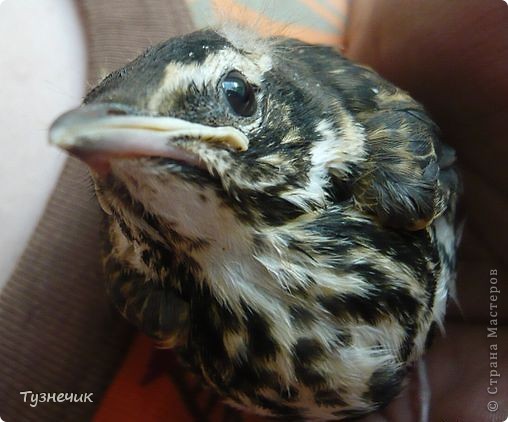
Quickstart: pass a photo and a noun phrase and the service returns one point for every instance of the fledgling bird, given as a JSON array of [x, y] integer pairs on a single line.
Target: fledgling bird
[[281, 216]]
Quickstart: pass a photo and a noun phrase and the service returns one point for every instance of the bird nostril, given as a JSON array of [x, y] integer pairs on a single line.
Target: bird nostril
[[116, 112]]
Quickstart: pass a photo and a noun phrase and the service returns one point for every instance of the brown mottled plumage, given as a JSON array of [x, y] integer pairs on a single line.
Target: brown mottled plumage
[[281, 216]]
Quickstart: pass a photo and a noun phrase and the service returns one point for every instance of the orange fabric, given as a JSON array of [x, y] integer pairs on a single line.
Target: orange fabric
[[145, 389], [265, 25], [129, 400]]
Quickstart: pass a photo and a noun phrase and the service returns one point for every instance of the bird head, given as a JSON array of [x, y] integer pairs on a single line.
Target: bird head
[[219, 136], [220, 114]]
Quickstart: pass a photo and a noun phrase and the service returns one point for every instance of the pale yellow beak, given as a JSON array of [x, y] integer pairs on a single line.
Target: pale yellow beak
[[100, 132]]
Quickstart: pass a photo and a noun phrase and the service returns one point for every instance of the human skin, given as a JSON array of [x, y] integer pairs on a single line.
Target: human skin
[[42, 74], [453, 57]]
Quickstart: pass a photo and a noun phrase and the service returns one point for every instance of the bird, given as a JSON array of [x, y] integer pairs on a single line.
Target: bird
[[282, 217]]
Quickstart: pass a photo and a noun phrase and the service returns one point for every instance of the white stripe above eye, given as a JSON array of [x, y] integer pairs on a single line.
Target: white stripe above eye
[[179, 76]]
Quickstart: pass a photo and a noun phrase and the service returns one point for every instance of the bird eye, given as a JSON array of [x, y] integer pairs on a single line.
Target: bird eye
[[239, 93]]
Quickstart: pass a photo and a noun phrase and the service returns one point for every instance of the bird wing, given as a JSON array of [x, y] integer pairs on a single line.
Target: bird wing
[[400, 180]]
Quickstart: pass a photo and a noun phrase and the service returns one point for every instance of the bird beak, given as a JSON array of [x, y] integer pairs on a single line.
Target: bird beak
[[98, 133]]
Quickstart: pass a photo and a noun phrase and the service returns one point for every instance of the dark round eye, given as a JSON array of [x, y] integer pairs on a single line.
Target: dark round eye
[[239, 93]]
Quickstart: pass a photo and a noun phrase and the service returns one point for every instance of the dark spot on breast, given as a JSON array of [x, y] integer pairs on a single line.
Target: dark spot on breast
[[203, 197], [229, 320], [207, 331], [328, 398], [301, 315], [308, 350], [309, 377], [400, 302], [261, 342], [384, 384], [247, 378], [351, 306], [146, 256], [273, 210], [289, 394], [279, 409]]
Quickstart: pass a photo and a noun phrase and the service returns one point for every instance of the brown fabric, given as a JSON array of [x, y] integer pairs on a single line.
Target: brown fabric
[[58, 332], [119, 30]]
